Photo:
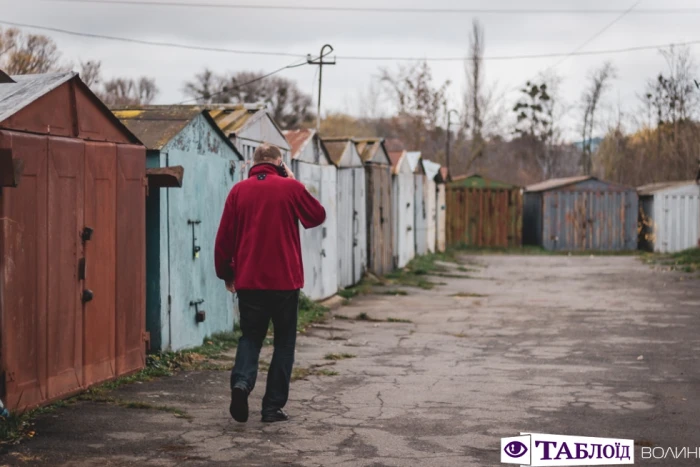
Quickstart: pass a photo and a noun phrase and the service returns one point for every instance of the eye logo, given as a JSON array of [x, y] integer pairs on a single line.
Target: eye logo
[[515, 449]]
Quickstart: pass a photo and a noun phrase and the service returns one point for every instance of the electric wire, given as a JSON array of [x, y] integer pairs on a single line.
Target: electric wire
[[347, 57], [493, 11]]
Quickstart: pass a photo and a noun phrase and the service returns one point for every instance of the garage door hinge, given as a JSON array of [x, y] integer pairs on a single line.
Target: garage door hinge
[[144, 181], [147, 339]]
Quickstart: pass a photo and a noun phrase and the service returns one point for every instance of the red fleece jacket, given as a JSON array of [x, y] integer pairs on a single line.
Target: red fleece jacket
[[258, 240]]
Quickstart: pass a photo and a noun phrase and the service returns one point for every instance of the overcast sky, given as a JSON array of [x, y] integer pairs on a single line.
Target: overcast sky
[[369, 34]]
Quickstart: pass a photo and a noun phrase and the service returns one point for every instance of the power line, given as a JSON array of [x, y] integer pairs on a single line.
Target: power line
[[266, 75], [144, 42], [229, 89], [597, 34], [348, 57], [524, 57], [483, 11]]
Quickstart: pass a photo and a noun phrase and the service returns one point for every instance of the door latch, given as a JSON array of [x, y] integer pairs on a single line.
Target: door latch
[[87, 296], [195, 248], [199, 315], [86, 234]]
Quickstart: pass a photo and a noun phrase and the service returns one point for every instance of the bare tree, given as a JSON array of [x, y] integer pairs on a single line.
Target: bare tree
[[599, 81], [414, 93], [369, 101], [474, 69], [126, 91], [23, 54], [674, 96], [484, 105], [91, 73], [420, 104], [290, 106], [118, 91]]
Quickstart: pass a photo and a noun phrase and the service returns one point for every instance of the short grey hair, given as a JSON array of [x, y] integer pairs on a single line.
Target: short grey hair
[[266, 152]]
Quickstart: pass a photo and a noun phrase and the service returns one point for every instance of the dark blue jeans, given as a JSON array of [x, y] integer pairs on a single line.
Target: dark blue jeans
[[257, 308]]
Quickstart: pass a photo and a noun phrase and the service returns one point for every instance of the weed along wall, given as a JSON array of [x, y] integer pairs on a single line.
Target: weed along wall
[[186, 302], [313, 167], [72, 246]]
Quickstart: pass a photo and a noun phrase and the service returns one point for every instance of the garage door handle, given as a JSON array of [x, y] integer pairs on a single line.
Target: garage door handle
[[82, 269]]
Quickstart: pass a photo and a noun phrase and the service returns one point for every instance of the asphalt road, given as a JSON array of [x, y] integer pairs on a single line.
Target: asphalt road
[[589, 346]]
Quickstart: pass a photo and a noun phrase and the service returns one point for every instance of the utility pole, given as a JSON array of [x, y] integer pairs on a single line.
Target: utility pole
[[449, 123], [320, 62]]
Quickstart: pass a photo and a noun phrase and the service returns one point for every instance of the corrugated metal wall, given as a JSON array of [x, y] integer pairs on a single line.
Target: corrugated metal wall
[[421, 215], [676, 219], [380, 250], [430, 197], [193, 215], [311, 239], [483, 217], [403, 199], [54, 344], [352, 221], [441, 217], [329, 231], [589, 220]]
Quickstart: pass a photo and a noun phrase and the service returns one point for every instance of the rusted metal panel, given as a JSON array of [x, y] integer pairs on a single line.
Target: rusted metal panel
[[130, 259], [65, 220], [576, 220], [37, 104], [99, 260], [10, 169], [379, 221], [23, 274], [484, 217], [71, 298]]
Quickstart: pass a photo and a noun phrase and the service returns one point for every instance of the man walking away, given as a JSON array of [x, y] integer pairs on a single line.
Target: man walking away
[[258, 254]]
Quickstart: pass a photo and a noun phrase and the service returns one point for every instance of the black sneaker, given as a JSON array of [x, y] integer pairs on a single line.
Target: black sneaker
[[239, 404], [275, 416]]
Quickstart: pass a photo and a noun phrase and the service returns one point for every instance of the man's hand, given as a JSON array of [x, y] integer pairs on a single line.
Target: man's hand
[[230, 287], [290, 174]]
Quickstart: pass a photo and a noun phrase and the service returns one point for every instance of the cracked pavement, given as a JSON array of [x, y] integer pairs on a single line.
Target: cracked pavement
[[577, 345]]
